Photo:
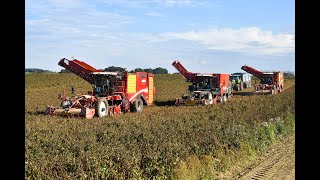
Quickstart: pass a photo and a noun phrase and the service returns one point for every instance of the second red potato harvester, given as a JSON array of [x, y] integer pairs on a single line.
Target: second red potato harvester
[[206, 88]]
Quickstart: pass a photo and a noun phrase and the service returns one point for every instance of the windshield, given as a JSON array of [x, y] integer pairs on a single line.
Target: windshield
[[234, 78], [101, 83]]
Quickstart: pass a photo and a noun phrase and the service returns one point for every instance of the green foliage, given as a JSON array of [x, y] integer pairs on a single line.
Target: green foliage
[[114, 69], [36, 70], [64, 71], [163, 142], [157, 70], [160, 70], [138, 70]]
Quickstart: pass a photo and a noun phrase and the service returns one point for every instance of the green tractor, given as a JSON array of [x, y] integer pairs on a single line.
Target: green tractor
[[237, 83], [240, 81]]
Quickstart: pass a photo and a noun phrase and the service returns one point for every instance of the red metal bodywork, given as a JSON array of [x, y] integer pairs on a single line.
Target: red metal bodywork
[[269, 82], [142, 89], [221, 81], [126, 90], [79, 68]]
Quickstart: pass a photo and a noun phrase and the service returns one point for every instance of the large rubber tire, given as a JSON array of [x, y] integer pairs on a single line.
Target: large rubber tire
[[210, 98], [124, 102], [137, 105], [280, 89], [237, 87], [241, 86], [221, 99], [102, 108], [225, 98], [275, 90]]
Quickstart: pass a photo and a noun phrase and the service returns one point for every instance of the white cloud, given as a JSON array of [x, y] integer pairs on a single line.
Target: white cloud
[[57, 29], [156, 14], [60, 19], [250, 40]]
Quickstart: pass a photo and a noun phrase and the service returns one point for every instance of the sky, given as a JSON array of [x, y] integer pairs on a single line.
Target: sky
[[208, 36]]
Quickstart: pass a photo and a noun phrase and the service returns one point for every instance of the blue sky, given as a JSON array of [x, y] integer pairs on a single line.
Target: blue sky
[[214, 36]]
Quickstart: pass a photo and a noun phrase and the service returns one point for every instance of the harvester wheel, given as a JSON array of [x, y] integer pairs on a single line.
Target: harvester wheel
[[210, 98], [102, 108], [238, 87], [138, 105], [221, 99], [241, 86], [225, 98], [271, 91]]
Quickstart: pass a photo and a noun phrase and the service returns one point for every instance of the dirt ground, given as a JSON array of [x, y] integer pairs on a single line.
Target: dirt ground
[[277, 164]]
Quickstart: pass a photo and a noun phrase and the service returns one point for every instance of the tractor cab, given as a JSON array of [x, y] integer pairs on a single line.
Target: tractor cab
[[103, 82], [235, 79]]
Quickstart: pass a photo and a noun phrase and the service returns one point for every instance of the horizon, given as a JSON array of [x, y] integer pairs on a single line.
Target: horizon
[[205, 36]]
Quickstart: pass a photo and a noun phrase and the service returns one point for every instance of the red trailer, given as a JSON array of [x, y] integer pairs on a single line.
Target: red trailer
[[113, 93]]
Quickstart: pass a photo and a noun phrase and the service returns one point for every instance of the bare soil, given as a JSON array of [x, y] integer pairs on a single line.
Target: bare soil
[[277, 164]]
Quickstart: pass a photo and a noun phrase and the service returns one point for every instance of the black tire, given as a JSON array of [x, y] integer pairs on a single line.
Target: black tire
[[124, 102], [210, 98], [137, 105], [241, 86], [102, 108], [221, 99]]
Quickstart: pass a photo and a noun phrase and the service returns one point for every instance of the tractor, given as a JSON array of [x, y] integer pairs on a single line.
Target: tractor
[[240, 81]]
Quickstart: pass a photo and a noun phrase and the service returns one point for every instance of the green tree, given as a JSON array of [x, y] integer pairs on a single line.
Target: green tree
[[115, 69], [64, 71], [138, 70], [148, 70], [160, 70]]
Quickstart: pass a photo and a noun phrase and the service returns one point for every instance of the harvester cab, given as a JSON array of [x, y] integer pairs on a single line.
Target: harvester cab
[[103, 83], [267, 78]]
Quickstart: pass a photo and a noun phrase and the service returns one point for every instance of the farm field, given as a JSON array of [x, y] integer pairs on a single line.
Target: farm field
[[162, 142]]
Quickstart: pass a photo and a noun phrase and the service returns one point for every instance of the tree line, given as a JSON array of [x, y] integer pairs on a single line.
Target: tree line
[[36, 70], [157, 70]]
